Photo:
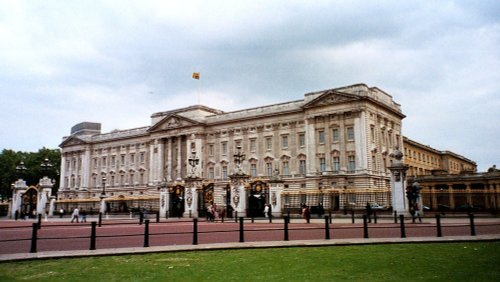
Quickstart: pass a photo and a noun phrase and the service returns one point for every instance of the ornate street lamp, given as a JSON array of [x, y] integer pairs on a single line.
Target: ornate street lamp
[[46, 165], [239, 157], [103, 193], [21, 168], [193, 162]]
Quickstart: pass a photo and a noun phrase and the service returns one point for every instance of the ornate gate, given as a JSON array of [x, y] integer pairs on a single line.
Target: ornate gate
[[258, 196], [205, 198], [30, 199], [176, 201]]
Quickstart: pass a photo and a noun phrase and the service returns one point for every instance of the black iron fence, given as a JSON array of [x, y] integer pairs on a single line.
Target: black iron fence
[[283, 224]]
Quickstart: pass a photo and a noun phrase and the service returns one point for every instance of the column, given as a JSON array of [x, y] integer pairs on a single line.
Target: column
[[310, 136], [169, 159]]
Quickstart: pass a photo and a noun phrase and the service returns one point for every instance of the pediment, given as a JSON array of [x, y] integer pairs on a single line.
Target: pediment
[[331, 97], [72, 141], [173, 122]]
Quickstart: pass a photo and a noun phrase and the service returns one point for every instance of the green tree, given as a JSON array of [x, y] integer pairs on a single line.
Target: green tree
[[10, 159]]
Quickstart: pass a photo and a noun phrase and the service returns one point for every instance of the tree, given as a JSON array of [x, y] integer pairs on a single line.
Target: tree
[[9, 159]]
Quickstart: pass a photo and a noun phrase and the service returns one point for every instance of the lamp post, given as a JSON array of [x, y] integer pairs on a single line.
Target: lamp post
[[21, 168], [238, 159], [193, 162], [103, 195], [45, 165]]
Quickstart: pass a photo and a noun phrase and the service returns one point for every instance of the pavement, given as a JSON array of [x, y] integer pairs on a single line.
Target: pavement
[[245, 245]]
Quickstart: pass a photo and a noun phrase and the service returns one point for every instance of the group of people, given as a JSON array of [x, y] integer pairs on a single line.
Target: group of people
[[213, 213], [76, 215]]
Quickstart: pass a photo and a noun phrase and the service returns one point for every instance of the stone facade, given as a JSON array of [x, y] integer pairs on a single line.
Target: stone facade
[[425, 160], [303, 151]]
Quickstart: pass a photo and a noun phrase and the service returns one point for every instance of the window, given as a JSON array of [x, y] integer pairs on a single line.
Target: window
[[285, 168], [302, 139], [224, 172], [335, 135], [211, 174], [211, 149], [351, 166], [131, 181], [113, 161], [95, 162], [132, 158], [269, 169], [269, 143], [336, 164], [284, 141], [302, 166], [122, 160], [224, 148], [322, 164], [350, 133], [142, 157], [253, 170], [372, 133], [253, 145], [321, 137]]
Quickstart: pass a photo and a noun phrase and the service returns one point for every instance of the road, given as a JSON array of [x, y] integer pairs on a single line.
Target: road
[[61, 235]]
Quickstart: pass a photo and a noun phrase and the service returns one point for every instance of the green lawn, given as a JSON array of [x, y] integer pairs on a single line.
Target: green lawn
[[475, 261]]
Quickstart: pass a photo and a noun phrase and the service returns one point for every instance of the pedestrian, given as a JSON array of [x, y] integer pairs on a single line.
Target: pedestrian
[[266, 210], [210, 213], [75, 215], [321, 210], [416, 210], [83, 214], [369, 212], [61, 213], [306, 213]]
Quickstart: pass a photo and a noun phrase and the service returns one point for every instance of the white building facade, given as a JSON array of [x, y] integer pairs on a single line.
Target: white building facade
[[332, 147]]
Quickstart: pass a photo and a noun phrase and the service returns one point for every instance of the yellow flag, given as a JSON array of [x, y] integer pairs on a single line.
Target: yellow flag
[[196, 75]]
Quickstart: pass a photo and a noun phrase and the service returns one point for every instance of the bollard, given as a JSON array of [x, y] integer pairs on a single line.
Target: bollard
[[270, 217], [39, 221], [146, 233], [235, 216], [92, 235], [438, 225], [365, 226], [472, 226], [190, 214], [253, 219], [375, 217], [141, 218], [395, 216], [242, 238], [158, 216], [100, 219], [195, 231], [330, 216], [402, 225], [286, 221], [352, 216], [327, 228], [34, 238]]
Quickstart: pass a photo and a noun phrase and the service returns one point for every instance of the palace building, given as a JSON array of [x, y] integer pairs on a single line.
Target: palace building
[[332, 147]]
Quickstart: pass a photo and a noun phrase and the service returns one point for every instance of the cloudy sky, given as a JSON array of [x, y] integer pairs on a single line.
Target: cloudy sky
[[117, 62]]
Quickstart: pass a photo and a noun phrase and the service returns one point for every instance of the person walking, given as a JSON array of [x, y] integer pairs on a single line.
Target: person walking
[[369, 212], [75, 215], [266, 210], [416, 211], [306, 213], [83, 214]]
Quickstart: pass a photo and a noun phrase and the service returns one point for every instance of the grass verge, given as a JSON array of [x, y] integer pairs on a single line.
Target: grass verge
[[474, 261]]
